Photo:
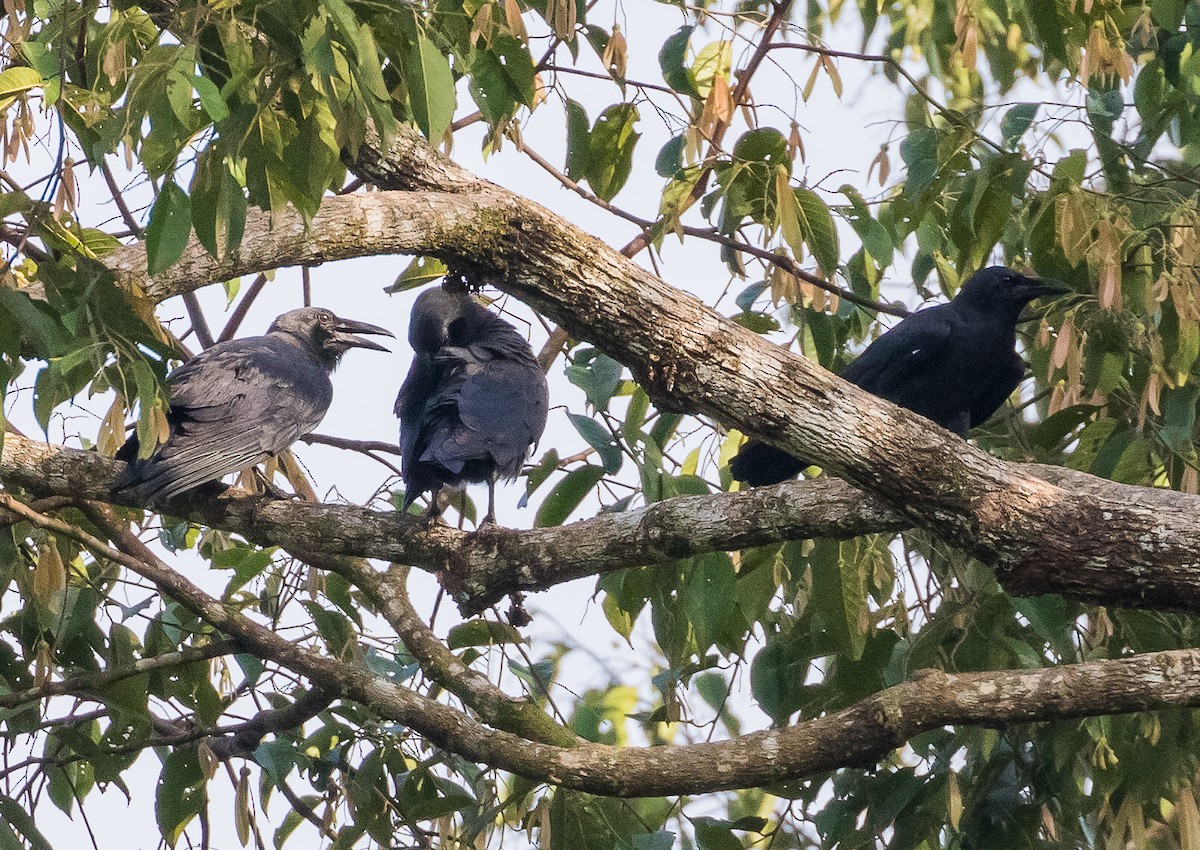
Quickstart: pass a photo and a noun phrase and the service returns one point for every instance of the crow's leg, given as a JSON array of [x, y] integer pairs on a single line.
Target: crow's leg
[[490, 519]]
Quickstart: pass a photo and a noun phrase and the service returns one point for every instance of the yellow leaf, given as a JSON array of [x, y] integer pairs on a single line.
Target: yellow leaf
[[208, 759], [161, 424], [296, 477], [560, 15], [795, 143], [714, 61], [954, 806], [784, 286], [1066, 336], [811, 83], [1073, 225], [834, 77], [1189, 819], [49, 576], [112, 429], [616, 56]]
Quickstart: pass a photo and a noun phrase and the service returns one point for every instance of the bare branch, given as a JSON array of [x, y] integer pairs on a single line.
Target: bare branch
[[93, 682]]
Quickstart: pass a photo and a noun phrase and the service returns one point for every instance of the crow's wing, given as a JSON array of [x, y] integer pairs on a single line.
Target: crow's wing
[[419, 420], [890, 367], [232, 406], [490, 408], [997, 389], [896, 359]]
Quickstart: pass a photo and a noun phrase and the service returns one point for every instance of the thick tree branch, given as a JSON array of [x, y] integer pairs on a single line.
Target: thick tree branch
[[861, 733], [245, 740], [480, 568], [690, 358]]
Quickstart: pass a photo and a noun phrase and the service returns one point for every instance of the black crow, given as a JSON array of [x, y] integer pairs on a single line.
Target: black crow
[[240, 402], [474, 402], [955, 363]]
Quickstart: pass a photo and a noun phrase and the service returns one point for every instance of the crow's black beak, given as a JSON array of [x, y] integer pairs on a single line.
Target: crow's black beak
[[1037, 287], [345, 331]]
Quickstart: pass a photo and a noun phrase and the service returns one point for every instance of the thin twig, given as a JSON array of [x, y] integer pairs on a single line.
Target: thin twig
[[118, 198], [365, 447], [199, 323], [352, 445], [306, 811]]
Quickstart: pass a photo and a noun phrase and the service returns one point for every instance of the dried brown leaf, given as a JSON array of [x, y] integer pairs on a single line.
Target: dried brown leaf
[[512, 17], [616, 53]]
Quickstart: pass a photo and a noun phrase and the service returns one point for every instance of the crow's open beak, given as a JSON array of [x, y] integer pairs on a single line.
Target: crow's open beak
[[347, 328]]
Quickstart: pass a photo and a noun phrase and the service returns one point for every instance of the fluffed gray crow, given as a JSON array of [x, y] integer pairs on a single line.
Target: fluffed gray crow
[[474, 401]]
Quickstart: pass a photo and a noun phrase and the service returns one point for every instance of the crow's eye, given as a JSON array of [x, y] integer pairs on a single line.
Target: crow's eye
[[1009, 280], [326, 319]]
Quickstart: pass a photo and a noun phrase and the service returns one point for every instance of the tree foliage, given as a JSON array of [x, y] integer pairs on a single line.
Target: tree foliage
[[223, 110]]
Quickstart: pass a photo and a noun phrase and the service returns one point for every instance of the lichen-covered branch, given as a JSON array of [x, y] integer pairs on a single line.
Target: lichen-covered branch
[[860, 733], [481, 568]]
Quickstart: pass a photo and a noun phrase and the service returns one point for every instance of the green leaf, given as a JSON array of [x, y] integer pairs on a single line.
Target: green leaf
[[14, 81], [874, 235], [765, 144], [669, 161], [1050, 27], [15, 816], [218, 204], [540, 472], [777, 679], [482, 633], [501, 78], [819, 230], [579, 136], [672, 58], [600, 439], [420, 271], [291, 820], [611, 149], [1016, 121], [714, 60], [713, 834], [169, 228], [247, 563], [599, 377], [839, 589], [210, 99], [180, 794], [430, 88], [920, 153], [567, 494], [277, 758]]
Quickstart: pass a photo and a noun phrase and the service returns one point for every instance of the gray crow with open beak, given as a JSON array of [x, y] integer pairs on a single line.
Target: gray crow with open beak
[[240, 402]]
